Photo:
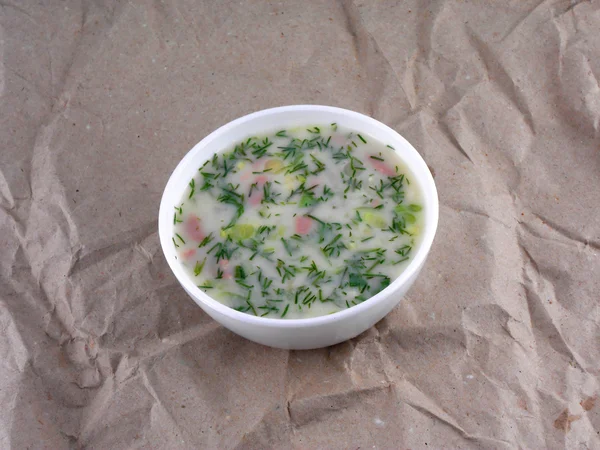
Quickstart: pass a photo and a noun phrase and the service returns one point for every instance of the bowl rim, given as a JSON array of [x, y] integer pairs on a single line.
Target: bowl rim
[[431, 223]]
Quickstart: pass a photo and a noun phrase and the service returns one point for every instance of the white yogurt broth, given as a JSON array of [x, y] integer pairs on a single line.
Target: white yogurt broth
[[299, 223]]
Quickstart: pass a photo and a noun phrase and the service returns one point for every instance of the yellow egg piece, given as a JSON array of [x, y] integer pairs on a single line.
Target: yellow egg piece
[[275, 165], [289, 182]]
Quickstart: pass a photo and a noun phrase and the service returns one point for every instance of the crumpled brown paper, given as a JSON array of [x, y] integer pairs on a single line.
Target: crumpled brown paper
[[496, 346]]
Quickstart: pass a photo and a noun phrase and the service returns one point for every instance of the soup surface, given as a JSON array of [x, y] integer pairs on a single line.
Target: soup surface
[[300, 223]]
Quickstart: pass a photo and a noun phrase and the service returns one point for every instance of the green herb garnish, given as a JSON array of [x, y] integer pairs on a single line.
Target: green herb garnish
[[198, 267]]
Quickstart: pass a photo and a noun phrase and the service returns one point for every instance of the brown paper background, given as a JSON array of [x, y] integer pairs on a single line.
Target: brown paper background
[[496, 346]]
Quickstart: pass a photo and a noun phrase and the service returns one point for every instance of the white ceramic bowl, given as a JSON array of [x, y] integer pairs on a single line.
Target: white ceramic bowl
[[318, 331]]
